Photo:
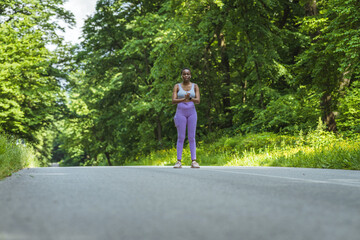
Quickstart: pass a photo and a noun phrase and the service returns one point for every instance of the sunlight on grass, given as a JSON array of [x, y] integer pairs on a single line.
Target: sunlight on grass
[[318, 149], [14, 157], [340, 156]]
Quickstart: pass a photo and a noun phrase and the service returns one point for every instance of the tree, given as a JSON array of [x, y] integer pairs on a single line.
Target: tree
[[331, 61], [29, 83], [256, 62]]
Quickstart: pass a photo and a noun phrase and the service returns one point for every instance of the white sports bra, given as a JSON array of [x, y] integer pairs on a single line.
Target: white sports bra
[[181, 93]]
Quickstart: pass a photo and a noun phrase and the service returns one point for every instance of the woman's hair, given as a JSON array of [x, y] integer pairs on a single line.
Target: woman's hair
[[185, 69]]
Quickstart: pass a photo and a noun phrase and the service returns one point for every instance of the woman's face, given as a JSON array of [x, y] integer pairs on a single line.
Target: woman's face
[[186, 75]]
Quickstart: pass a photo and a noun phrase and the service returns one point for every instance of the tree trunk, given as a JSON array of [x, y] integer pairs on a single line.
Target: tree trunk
[[311, 8], [206, 77], [225, 68], [326, 101], [107, 154], [345, 81], [244, 86], [285, 16], [257, 70], [328, 115], [158, 130], [262, 101], [328, 104]]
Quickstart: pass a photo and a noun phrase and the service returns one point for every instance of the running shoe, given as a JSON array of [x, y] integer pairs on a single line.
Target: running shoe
[[194, 164], [177, 164]]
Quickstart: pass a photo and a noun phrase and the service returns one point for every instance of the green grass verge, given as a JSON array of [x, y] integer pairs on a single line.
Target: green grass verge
[[318, 149], [14, 157]]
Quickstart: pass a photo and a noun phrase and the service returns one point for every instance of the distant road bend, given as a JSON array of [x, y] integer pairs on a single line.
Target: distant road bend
[[85, 203]]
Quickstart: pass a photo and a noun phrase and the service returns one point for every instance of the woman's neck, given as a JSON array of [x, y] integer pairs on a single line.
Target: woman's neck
[[186, 83]]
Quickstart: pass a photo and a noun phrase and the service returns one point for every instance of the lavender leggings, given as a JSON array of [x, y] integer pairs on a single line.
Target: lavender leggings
[[186, 116]]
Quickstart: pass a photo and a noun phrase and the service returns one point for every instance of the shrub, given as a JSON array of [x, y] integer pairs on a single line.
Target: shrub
[[285, 114], [317, 149], [349, 117], [14, 156]]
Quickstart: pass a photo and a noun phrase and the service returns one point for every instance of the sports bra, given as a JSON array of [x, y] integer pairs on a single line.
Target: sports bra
[[181, 93]]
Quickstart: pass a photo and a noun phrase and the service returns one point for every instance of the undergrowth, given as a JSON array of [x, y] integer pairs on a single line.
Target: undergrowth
[[316, 149], [14, 156]]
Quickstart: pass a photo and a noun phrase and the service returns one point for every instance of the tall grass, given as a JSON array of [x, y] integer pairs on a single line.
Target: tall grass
[[14, 157], [317, 149], [343, 155]]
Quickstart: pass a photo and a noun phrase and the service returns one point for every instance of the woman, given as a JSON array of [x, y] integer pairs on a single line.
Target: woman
[[186, 95]]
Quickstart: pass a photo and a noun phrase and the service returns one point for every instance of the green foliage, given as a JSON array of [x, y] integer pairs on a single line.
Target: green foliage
[[332, 36], [349, 111], [238, 144], [286, 114], [257, 64], [14, 156], [30, 89], [343, 155], [317, 149], [266, 70]]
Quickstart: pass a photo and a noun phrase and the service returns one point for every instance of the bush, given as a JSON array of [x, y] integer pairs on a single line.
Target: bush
[[317, 149], [14, 156], [256, 141], [349, 117], [343, 155], [285, 114]]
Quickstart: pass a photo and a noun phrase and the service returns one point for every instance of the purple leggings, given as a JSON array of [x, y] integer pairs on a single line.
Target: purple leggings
[[186, 116]]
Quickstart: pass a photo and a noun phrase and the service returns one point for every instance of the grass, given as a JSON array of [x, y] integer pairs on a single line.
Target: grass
[[343, 155], [317, 149], [14, 157]]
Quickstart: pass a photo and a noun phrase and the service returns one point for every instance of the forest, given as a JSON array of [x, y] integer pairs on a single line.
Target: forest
[[279, 81]]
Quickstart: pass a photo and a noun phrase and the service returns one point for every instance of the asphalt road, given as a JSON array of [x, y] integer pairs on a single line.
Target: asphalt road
[[165, 203]]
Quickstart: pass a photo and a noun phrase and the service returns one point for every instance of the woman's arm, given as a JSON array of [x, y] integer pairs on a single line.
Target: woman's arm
[[175, 100], [196, 99]]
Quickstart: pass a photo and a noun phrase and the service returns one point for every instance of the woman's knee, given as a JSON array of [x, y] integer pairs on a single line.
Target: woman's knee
[[191, 139], [181, 138]]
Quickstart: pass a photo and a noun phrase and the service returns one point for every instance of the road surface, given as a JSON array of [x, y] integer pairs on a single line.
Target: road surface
[[217, 203]]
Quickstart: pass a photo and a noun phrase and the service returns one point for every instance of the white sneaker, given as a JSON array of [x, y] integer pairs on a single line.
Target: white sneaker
[[194, 164], [178, 164]]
